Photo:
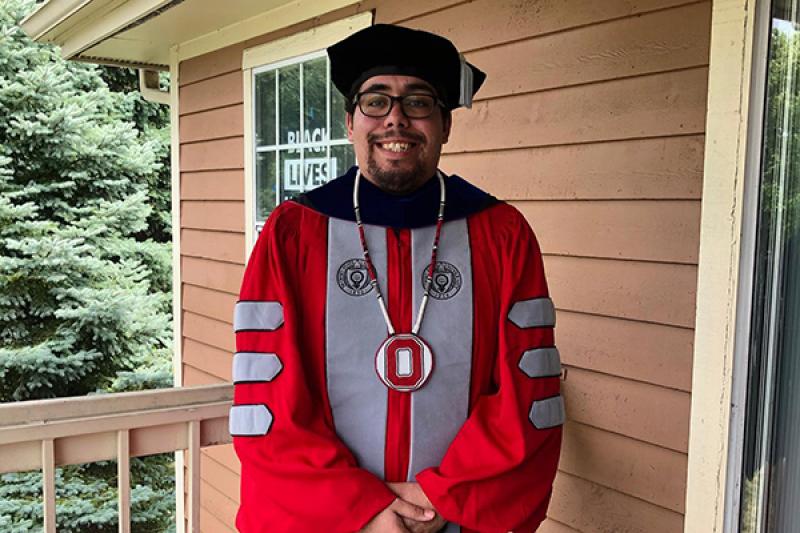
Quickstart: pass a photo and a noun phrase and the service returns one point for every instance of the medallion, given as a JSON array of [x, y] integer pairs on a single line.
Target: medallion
[[404, 362]]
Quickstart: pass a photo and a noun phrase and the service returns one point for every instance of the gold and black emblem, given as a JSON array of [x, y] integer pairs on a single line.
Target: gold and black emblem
[[446, 281], [353, 277]]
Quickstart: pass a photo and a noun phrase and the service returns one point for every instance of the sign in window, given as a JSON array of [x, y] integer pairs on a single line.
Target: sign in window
[[300, 132]]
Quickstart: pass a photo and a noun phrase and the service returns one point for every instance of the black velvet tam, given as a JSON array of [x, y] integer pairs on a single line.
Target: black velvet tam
[[384, 49]]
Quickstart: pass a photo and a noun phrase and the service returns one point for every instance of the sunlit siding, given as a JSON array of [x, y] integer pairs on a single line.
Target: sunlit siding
[[591, 122]]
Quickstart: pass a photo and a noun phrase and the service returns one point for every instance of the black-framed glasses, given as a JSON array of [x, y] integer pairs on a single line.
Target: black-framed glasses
[[376, 104]]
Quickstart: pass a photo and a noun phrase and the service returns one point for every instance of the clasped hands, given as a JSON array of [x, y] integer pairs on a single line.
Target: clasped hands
[[410, 512]]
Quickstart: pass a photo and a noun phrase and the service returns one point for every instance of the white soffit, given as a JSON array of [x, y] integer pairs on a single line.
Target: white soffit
[[142, 32]]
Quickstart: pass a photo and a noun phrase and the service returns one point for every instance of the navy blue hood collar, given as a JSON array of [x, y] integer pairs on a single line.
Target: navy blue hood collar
[[413, 210]]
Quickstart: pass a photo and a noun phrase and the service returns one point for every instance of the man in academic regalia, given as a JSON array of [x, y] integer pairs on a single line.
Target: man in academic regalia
[[396, 369]]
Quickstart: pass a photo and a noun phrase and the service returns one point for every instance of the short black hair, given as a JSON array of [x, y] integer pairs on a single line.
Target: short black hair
[[350, 105]]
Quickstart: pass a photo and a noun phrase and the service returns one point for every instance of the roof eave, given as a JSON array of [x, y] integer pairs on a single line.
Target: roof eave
[[77, 25], [49, 15]]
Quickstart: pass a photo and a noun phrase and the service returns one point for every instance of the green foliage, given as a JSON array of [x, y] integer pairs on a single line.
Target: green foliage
[[85, 263], [87, 498], [781, 162], [152, 119], [145, 115], [76, 287]]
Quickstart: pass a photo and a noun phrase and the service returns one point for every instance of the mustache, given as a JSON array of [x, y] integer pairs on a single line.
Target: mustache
[[396, 135]]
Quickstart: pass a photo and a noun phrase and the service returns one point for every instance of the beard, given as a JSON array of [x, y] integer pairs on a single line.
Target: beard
[[395, 179]]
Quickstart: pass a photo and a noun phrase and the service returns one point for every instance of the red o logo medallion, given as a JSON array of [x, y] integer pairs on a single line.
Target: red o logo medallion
[[404, 362]]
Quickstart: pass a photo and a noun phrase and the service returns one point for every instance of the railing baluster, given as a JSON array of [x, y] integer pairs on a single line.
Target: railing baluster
[[49, 485], [124, 480], [194, 476], [99, 428]]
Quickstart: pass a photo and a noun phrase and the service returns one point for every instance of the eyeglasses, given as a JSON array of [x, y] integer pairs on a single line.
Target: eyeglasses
[[377, 105]]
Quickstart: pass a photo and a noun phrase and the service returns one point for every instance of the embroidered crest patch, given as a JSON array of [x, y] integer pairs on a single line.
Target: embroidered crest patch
[[446, 281], [353, 277]]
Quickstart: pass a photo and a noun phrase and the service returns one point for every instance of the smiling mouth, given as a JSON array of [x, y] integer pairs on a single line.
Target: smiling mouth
[[397, 147]]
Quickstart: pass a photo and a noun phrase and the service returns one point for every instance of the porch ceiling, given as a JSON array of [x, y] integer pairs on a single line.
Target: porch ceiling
[[141, 32]]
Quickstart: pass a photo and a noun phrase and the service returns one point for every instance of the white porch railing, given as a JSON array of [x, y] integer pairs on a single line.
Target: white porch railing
[[44, 434]]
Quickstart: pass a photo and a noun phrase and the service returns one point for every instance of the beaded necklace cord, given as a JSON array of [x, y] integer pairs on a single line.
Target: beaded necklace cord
[[371, 269]]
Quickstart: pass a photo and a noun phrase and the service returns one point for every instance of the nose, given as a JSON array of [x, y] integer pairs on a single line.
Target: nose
[[396, 117]]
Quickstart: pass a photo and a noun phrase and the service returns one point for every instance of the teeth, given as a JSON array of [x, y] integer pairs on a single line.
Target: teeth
[[397, 147]]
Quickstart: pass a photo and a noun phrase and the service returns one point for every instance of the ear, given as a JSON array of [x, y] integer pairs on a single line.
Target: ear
[[447, 122], [348, 120]]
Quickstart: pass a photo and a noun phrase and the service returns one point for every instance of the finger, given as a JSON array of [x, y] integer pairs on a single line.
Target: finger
[[414, 527], [409, 510], [399, 525]]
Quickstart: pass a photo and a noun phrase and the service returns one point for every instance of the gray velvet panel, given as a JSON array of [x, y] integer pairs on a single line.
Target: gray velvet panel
[[249, 420], [534, 313], [440, 407], [541, 362], [249, 367], [355, 329], [547, 413], [258, 316]]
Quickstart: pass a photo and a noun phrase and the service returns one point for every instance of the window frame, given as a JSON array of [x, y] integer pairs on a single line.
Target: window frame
[[750, 196], [306, 44], [747, 291], [722, 302], [301, 146]]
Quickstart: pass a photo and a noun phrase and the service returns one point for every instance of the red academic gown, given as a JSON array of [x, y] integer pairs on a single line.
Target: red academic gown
[[316, 429]]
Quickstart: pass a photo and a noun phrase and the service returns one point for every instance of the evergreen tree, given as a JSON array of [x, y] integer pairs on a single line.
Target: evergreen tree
[[152, 120], [84, 265]]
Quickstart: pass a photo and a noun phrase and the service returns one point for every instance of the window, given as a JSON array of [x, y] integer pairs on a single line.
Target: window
[[770, 484], [300, 133], [294, 128]]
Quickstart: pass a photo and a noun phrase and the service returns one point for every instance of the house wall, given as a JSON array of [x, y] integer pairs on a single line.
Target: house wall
[[592, 123]]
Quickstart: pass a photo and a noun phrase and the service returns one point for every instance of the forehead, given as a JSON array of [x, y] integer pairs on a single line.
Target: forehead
[[396, 84]]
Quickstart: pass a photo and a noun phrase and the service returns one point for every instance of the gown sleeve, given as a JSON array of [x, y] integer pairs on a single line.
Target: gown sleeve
[[297, 476], [498, 472]]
